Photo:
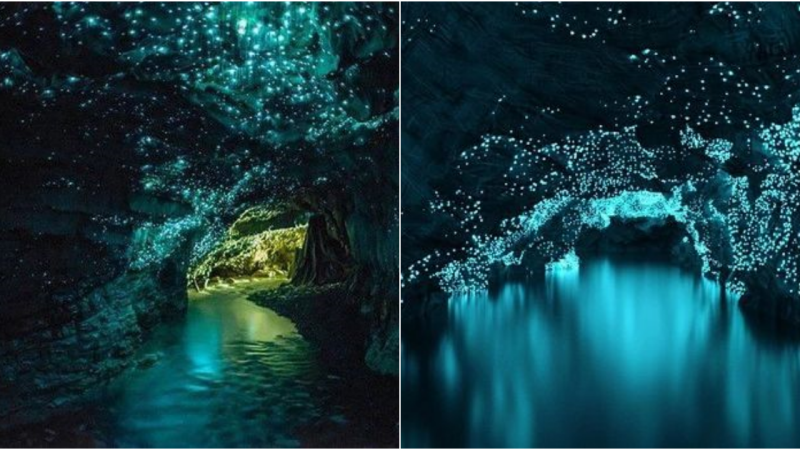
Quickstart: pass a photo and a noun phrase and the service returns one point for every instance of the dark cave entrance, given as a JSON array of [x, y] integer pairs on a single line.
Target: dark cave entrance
[[650, 240], [658, 238], [645, 239]]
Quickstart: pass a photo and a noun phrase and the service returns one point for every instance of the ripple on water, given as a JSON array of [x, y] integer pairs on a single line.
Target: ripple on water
[[232, 374]]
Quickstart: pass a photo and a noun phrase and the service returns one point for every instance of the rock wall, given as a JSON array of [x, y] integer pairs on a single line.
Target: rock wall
[[374, 239], [75, 217], [361, 252], [57, 345]]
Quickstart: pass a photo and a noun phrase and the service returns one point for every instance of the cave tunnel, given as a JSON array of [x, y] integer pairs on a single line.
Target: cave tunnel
[[199, 221], [261, 243]]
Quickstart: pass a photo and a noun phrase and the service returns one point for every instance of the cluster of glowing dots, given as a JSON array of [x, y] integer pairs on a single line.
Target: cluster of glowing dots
[[237, 86], [604, 176], [263, 67], [736, 199]]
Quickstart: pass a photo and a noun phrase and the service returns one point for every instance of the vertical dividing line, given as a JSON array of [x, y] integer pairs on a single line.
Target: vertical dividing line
[[399, 221]]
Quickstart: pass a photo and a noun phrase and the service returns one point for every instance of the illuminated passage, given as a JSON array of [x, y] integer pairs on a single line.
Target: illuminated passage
[[618, 353]]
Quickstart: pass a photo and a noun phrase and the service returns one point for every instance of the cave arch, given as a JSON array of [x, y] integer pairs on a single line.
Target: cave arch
[[547, 235]]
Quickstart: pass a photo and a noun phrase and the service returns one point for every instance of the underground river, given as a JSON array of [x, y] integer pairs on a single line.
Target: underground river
[[621, 353], [229, 374]]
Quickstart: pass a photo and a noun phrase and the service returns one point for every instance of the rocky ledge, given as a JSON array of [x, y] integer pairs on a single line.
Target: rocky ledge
[[359, 356]]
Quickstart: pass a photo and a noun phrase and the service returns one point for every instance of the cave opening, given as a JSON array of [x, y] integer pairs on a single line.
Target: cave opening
[[660, 239], [264, 318], [646, 240], [263, 243]]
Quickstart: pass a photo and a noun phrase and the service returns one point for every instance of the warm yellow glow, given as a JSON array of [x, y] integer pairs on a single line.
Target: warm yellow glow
[[260, 324], [268, 254]]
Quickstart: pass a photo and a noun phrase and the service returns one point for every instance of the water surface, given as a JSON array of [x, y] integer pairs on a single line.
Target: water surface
[[231, 374], [621, 353]]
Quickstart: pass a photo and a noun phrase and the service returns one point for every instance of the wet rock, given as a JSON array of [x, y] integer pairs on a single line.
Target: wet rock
[[149, 360], [74, 350], [382, 351]]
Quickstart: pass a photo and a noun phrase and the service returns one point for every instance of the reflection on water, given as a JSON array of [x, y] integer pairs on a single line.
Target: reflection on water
[[619, 353], [231, 374]]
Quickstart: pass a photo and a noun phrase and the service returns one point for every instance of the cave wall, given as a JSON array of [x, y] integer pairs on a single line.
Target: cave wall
[[59, 359], [353, 239], [85, 269], [357, 244], [72, 311], [375, 244]]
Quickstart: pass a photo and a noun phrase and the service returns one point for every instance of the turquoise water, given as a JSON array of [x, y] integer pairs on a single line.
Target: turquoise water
[[231, 374], [619, 353]]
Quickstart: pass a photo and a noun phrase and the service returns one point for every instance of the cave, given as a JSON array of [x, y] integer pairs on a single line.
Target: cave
[[200, 207], [261, 243], [600, 225]]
